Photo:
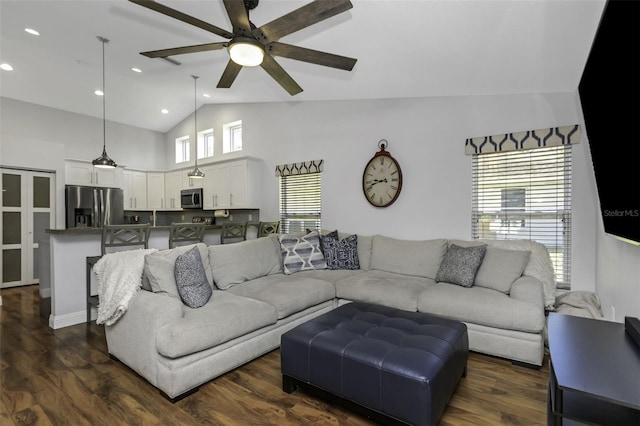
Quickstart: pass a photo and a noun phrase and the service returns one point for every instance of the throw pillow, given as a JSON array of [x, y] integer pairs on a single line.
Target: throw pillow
[[160, 273], [191, 280], [460, 265], [301, 253], [500, 268], [340, 254]]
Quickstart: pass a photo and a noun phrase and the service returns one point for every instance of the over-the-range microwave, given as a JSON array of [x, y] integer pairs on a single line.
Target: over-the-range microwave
[[191, 198]]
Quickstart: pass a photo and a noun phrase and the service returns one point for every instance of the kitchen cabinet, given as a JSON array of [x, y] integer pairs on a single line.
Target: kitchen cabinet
[[83, 173], [187, 182], [231, 185], [155, 191], [173, 184], [134, 188]]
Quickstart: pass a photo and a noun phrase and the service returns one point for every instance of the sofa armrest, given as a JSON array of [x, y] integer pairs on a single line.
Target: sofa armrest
[[132, 339], [528, 289]]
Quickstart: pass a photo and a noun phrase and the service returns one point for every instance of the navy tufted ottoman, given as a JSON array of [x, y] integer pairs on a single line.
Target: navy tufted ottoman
[[399, 366]]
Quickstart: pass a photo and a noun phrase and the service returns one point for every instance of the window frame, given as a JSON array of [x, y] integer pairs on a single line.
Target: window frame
[[183, 149], [300, 202], [230, 142], [545, 176], [205, 149]]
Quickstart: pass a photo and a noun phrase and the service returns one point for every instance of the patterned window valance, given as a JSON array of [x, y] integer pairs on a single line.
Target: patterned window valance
[[303, 168], [541, 138]]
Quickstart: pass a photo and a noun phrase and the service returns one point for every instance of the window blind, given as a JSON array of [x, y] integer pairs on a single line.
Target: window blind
[[300, 202], [526, 194]]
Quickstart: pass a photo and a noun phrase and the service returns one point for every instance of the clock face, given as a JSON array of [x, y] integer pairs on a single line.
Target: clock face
[[382, 180]]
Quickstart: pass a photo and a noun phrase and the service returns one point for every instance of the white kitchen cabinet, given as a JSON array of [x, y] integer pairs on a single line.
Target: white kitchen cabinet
[[231, 185], [134, 189], [155, 191], [187, 182], [83, 173], [173, 184]]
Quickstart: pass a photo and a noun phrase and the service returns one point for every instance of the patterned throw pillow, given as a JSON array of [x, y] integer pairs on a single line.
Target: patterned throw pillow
[[301, 253], [460, 265], [191, 280], [340, 254]]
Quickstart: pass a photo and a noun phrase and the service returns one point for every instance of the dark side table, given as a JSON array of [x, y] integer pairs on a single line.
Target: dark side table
[[594, 372]]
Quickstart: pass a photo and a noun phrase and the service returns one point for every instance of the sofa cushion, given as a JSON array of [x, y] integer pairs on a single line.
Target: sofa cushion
[[460, 265], [232, 264], [330, 275], [365, 243], [170, 255], [289, 294], [301, 253], [500, 268], [215, 323], [481, 306], [384, 288], [408, 257], [159, 272], [191, 281], [340, 253]]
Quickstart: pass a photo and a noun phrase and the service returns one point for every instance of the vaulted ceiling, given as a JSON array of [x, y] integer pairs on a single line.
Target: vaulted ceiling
[[404, 48]]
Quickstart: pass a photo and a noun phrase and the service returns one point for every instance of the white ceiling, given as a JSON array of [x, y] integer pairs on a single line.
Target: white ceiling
[[416, 48]]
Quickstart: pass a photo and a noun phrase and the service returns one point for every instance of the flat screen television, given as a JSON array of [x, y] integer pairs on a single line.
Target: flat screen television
[[610, 96]]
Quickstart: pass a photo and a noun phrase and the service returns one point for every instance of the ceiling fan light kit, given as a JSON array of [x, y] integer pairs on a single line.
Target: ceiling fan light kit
[[246, 51], [104, 161], [250, 46]]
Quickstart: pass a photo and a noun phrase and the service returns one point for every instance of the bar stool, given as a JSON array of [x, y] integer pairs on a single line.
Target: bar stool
[[186, 233], [266, 228], [233, 232], [115, 238]]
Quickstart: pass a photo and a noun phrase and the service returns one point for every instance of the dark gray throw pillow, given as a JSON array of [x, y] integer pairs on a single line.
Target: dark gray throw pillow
[[191, 280], [340, 254], [460, 265]]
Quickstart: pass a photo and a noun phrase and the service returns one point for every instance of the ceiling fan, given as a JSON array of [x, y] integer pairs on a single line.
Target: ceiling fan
[[249, 45]]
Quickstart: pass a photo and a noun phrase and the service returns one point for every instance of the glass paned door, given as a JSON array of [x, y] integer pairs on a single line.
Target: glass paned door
[[27, 202]]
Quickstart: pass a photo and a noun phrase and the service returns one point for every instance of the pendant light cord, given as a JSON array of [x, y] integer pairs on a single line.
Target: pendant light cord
[[104, 95], [195, 115]]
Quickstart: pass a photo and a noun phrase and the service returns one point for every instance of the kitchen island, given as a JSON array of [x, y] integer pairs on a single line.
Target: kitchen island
[[66, 252]]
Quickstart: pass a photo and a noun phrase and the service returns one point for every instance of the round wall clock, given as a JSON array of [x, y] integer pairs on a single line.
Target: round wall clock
[[382, 178]]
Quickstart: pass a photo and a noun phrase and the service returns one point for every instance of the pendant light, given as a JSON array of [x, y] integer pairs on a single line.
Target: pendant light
[[104, 161], [196, 172]]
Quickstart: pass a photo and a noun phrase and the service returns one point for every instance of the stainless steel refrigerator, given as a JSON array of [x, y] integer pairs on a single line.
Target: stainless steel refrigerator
[[93, 207]]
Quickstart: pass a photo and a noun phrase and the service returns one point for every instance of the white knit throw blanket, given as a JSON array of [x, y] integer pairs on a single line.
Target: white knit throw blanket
[[119, 277]]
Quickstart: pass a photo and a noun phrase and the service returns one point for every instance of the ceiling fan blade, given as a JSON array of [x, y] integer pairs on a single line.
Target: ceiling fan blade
[[163, 53], [239, 16], [307, 15], [310, 55], [165, 10], [229, 75], [280, 75]]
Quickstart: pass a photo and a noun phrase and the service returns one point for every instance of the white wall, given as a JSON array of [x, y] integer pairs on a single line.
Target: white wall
[[426, 135], [80, 135]]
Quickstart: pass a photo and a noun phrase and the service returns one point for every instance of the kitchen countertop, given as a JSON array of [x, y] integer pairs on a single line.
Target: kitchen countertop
[[87, 231]]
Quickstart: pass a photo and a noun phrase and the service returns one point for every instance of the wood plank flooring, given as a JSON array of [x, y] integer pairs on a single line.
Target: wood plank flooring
[[65, 377]]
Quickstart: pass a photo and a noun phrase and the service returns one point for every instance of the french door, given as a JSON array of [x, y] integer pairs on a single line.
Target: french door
[[27, 203]]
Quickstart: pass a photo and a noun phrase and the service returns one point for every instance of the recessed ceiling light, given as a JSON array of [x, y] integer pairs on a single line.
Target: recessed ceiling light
[[206, 95], [164, 111], [99, 92], [31, 31], [136, 69], [6, 67]]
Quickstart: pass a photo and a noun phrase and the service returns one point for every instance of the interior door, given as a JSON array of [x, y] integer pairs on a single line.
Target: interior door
[[28, 208]]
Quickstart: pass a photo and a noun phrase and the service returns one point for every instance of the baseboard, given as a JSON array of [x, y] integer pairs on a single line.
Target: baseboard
[[61, 321]]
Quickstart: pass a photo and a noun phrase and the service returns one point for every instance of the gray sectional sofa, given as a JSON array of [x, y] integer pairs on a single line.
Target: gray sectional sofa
[[256, 298]]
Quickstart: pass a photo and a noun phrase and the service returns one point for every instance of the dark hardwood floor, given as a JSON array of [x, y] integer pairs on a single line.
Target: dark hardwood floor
[[65, 377]]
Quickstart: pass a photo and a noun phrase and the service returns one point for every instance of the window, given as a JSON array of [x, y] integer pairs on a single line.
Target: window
[[183, 149], [300, 196], [205, 144], [232, 137], [526, 194]]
